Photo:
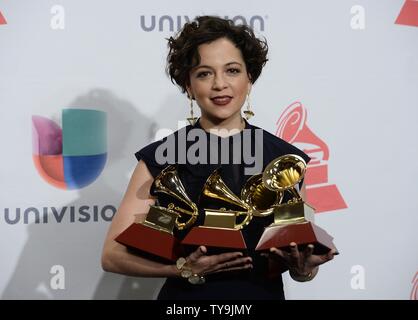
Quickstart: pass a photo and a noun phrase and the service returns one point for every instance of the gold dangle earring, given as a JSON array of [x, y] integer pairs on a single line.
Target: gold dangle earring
[[248, 113], [192, 119]]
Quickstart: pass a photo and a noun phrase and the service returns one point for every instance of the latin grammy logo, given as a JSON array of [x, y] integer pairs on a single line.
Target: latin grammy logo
[[409, 14], [292, 127], [2, 19]]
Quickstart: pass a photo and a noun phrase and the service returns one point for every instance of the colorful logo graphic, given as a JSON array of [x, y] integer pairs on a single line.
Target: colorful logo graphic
[[292, 127], [74, 156], [409, 14], [2, 19]]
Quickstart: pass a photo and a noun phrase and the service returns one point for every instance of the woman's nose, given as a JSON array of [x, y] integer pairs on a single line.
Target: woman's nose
[[219, 82]]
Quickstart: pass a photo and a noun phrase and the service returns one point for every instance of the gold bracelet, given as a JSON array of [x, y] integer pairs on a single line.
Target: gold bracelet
[[187, 273]]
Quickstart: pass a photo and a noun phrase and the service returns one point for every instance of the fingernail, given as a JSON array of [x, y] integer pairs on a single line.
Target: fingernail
[[292, 244]]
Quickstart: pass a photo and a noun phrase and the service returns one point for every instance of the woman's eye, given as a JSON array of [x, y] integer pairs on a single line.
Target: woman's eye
[[234, 70], [202, 74]]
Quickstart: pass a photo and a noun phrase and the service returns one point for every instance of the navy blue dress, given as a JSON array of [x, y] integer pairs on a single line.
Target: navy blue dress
[[258, 283]]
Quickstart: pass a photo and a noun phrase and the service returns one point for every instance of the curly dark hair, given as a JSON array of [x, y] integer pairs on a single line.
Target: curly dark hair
[[183, 48]]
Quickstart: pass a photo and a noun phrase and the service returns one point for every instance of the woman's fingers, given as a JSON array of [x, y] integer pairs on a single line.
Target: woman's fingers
[[246, 266], [308, 251], [294, 252], [280, 253], [330, 255], [292, 258], [200, 252], [235, 264], [224, 257], [327, 256], [303, 260], [204, 264]]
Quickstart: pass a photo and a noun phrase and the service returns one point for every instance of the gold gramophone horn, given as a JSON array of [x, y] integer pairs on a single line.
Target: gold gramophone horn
[[216, 188], [258, 197], [168, 182], [284, 173]]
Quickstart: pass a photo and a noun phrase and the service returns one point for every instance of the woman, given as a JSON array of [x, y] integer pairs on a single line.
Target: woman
[[216, 63]]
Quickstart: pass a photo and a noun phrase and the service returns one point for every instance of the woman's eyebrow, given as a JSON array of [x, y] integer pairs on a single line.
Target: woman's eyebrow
[[202, 66], [233, 62], [209, 67]]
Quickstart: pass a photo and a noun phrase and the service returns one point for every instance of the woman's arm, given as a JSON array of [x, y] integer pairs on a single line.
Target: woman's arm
[[115, 257]]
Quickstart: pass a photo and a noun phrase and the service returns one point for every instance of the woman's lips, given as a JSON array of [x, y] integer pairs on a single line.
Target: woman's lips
[[221, 100]]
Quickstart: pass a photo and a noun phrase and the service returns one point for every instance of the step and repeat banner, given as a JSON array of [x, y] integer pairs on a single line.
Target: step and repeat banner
[[83, 87]]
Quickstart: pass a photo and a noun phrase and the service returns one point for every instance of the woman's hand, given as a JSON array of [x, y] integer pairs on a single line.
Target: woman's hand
[[203, 264], [303, 266]]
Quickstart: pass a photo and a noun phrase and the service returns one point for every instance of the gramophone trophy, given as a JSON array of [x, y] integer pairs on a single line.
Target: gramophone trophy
[[293, 220], [222, 227], [155, 236]]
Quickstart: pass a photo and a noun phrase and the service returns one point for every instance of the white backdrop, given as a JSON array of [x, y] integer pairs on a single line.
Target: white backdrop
[[352, 68]]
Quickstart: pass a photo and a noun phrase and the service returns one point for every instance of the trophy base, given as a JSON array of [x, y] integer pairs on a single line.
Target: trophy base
[[215, 237], [151, 242], [280, 236]]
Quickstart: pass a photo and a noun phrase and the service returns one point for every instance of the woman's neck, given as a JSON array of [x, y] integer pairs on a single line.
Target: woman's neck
[[223, 128]]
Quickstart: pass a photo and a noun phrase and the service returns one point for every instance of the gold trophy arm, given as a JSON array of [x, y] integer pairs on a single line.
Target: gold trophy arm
[[246, 221], [193, 216], [263, 213], [295, 194], [179, 209]]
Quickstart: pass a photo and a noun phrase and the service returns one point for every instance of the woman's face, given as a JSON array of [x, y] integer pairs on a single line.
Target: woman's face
[[220, 82]]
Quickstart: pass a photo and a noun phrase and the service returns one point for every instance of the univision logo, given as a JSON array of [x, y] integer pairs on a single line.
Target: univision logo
[[74, 156], [175, 23]]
